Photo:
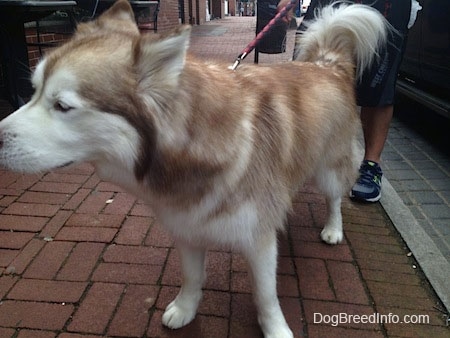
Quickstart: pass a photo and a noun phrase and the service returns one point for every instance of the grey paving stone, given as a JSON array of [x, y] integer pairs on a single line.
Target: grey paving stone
[[424, 164], [409, 185], [445, 195], [436, 236], [437, 156], [444, 163], [407, 200], [442, 246], [417, 212], [408, 148], [414, 156], [405, 175], [392, 165], [443, 226], [394, 131], [388, 147], [411, 134], [430, 230], [433, 174], [391, 155], [439, 184], [397, 185], [425, 197], [400, 141], [436, 211]]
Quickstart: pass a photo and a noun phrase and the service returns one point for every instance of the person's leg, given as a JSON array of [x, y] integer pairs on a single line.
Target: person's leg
[[375, 122], [375, 94]]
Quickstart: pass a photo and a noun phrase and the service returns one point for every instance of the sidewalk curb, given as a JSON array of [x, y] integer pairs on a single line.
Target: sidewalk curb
[[427, 254]]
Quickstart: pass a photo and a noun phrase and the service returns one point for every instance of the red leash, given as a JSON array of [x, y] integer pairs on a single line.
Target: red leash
[[247, 50]]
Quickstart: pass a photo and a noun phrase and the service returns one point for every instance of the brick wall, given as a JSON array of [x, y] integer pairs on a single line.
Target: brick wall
[[217, 8], [34, 53], [232, 9], [168, 14], [201, 12], [168, 18]]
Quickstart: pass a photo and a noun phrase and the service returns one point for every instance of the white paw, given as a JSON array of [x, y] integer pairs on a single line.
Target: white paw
[[332, 235], [279, 332], [178, 315], [275, 326]]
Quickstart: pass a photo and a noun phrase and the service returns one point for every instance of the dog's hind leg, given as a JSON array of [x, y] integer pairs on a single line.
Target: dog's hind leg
[[183, 309], [262, 259], [332, 232], [331, 185]]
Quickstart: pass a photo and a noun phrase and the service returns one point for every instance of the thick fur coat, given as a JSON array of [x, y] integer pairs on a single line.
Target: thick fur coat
[[218, 167]]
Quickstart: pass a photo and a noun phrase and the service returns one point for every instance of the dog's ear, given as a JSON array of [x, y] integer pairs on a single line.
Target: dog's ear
[[118, 18], [160, 61], [121, 10]]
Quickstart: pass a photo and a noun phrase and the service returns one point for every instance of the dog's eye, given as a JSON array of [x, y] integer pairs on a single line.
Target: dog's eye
[[61, 107]]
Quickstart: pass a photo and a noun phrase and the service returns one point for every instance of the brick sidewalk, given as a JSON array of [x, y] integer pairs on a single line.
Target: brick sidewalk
[[81, 258]]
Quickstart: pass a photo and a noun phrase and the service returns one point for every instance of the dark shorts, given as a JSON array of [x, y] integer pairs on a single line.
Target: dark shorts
[[377, 86]]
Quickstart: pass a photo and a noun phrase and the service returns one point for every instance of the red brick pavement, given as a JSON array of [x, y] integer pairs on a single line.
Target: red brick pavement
[[81, 258]]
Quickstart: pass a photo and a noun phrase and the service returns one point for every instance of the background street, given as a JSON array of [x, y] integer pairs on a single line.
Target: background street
[[81, 258]]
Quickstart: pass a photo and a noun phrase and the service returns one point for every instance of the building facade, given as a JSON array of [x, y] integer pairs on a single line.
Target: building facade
[[197, 12]]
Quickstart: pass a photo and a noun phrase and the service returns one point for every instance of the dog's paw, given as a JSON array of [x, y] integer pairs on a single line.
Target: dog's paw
[[332, 236], [177, 315], [279, 332], [275, 326]]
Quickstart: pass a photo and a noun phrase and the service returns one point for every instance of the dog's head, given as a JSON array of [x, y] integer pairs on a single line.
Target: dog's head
[[94, 96]]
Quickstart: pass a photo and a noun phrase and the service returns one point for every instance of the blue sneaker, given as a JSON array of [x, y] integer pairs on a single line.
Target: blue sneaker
[[368, 186]]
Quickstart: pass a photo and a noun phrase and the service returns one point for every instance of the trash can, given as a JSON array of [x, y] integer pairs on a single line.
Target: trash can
[[274, 42]]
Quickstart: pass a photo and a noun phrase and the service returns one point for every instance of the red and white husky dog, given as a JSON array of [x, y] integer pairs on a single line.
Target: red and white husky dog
[[168, 128]]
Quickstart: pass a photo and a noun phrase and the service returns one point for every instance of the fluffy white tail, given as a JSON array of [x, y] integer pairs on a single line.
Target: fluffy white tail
[[343, 33]]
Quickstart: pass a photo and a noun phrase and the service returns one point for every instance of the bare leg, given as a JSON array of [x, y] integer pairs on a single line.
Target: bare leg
[[375, 121], [183, 309]]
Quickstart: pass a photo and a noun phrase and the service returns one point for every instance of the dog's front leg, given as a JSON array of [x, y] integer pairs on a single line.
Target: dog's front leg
[[332, 232], [262, 259], [183, 309]]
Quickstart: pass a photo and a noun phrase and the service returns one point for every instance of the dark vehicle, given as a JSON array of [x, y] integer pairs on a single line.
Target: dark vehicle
[[425, 70]]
